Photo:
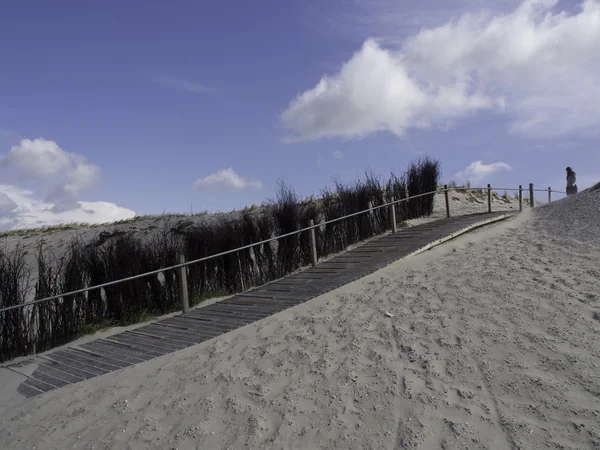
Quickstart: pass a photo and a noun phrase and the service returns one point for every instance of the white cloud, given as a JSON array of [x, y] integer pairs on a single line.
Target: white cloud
[[185, 85], [38, 158], [65, 175], [536, 66], [25, 211], [477, 171], [60, 179], [225, 180], [7, 204], [389, 19], [338, 155]]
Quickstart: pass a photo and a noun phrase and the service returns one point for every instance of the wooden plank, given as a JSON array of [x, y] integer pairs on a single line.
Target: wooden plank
[[92, 361], [307, 276], [274, 288], [89, 365], [164, 334], [28, 391], [266, 300], [49, 379], [291, 297], [373, 259], [258, 302], [300, 295], [229, 319], [322, 285], [402, 250], [348, 262], [257, 310], [372, 252], [143, 352], [266, 304], [68, 369], [322, 270], [242, 317], [163, 341], [37, 384], [402, 239], [196, 332], [210, 324], [315, 287], [77, 365], [294, 279], [252, 294], [105, 359], [113, 351], [190, 325], [69, 378], [145, 343], [249, 312], [199, 326], [217, 315], [189, 336]]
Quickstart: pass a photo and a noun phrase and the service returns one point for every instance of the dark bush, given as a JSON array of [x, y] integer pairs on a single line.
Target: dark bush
[[15, 325]]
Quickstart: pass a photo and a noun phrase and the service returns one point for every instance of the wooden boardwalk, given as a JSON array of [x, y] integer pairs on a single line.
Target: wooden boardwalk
[[76, 363]]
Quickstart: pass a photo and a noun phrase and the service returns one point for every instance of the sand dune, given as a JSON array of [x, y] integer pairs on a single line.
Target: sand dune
[[490, 341]]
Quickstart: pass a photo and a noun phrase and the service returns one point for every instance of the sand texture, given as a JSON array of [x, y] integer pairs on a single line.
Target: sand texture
[[489, 341]]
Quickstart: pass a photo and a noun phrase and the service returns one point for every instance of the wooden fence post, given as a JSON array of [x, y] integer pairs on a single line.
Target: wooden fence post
[[313, 243], [446, 195], [393, 216], [531, 201], [549, 195], [489, 189], [520, 197], [183, 294]]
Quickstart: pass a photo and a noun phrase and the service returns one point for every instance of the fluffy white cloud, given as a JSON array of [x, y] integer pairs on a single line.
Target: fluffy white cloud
[[65, 175], [477, 171], [60, 179], [25, 211], [7, 204], [338, 155], [537, 66], [225, 180], [38, 158]]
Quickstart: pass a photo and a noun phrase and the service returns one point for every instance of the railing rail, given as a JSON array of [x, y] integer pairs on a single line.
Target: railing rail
[[256, 244]]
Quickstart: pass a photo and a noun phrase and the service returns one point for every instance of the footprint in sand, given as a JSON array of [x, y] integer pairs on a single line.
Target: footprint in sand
[[412, 384]]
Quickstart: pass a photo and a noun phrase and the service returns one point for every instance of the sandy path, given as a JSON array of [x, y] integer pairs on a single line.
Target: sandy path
[[494, 343]]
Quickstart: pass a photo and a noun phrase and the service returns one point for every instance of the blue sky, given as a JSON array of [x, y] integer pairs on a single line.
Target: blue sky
[[114, 107]]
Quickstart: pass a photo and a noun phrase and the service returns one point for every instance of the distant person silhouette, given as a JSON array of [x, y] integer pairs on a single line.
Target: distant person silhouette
[[571, 182]]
